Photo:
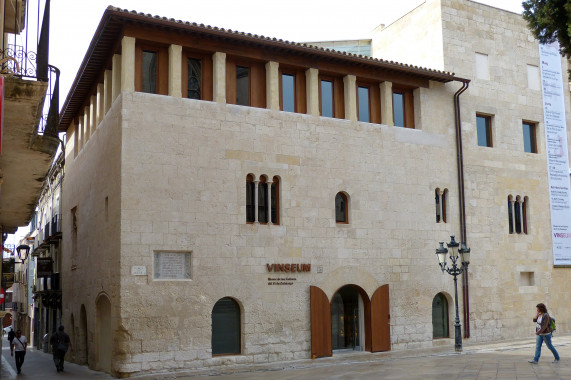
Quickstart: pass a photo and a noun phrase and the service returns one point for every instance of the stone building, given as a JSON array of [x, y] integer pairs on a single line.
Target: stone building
[[28, 124], [235, 199]]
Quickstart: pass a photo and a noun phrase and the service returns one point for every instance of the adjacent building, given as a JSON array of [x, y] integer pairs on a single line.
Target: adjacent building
[[236, 199], [28, 124]]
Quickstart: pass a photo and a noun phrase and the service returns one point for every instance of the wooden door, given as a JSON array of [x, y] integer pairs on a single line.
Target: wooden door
[[320, 323], [380, 320]]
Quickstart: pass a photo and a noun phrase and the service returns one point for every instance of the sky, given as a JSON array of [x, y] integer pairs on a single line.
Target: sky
[[73, 23]]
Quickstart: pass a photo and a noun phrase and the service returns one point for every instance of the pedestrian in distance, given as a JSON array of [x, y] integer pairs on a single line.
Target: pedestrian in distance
[[543, 333], [19, 344], [11, 336], [60, 344]]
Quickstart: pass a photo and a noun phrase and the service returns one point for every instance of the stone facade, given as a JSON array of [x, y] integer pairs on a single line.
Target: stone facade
[[501, 301], [159, 174]]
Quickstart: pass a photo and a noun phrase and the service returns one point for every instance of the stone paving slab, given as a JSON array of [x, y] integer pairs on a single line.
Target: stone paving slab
[[496, 360], [479, 361]]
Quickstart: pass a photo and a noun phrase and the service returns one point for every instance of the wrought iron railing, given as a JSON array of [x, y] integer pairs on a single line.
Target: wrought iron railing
[[49, 120], [18, 59]]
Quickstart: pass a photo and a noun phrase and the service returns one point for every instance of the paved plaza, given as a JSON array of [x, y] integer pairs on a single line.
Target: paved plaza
[[498, 360]]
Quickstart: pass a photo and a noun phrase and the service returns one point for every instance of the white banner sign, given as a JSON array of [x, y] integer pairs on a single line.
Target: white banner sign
[[557, 151]]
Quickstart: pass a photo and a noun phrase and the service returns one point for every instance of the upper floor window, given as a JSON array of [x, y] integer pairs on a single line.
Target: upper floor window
[[482, 70], [243, 85], [529, 137], [517, 214], [532, 77], [194, 78], [246, 83], [197, 76], [403, 108], [149, 71], [341, 208], [363, 104], [441, 200], [327, 97], [262, 200], [484, 130], [288, 92]]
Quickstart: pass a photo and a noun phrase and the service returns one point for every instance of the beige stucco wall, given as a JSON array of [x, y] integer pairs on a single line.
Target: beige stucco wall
[[182, 185], [90, 177], [174, 172], [415, 38], [499, 304]]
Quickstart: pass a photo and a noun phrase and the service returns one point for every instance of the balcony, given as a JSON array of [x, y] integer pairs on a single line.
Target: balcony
[[55, 228], [31, 106]]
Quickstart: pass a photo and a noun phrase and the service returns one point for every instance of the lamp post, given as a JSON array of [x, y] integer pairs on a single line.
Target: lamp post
[[23, 250], [454, 270]]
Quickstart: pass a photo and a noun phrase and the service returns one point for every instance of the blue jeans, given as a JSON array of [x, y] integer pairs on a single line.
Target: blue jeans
[[539, 341]]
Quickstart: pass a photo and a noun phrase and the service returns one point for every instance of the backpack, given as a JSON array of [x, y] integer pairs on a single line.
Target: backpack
[[552, 325]]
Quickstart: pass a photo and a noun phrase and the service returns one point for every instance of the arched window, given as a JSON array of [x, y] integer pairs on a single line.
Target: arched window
[[517, 214], [440, 201], [226, 327], [263, 200], [250, 200], [275, 201], [439, 316], [524, 214], [341, 208]]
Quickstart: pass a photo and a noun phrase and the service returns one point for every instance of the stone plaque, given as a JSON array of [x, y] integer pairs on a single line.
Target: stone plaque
[[138, 270], [172, 266]]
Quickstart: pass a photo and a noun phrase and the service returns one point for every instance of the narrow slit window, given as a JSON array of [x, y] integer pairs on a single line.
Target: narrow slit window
[[263, 201], [529, 140], [524, 214], [341, 208], [326, 98], [510, 215], [437, 201], [363, 103], [398, 109], [194, 79], [484, 130], [242, 85], [250, 201], [517, 215], [149, 66], [288, 92], [275, 200]]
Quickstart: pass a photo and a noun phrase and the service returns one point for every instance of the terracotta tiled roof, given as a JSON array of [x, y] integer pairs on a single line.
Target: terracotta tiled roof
[[113, 20]]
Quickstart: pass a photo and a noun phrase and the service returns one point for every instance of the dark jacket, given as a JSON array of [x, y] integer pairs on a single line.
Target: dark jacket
[[59, 337], [545, 324]]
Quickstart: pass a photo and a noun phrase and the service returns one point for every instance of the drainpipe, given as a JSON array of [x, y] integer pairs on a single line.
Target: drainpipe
[[461, 200]]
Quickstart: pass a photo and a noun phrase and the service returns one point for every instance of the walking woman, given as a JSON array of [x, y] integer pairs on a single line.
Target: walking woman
[[543, 332]]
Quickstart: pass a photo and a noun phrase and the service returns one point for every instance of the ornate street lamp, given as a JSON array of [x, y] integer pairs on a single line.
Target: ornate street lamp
[[23, 250], [454, 270]]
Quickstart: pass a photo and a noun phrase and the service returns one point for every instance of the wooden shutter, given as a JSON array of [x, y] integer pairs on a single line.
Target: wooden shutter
[[380, 320], [320, 323]]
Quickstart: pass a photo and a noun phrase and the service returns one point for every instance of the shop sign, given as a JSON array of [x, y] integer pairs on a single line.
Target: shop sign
[[44, 267]]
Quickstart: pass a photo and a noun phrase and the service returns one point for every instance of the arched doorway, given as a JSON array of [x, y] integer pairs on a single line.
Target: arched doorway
[[226, 327], [83, 357], [440, 316], [347, 319], [104, 329]]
